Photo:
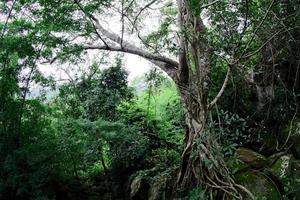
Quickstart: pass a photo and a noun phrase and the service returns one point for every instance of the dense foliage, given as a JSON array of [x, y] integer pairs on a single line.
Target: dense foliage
[[94, 135], [91, 127]]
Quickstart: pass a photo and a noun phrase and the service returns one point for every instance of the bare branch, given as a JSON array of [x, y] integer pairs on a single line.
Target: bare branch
[[258, 27], [220, 93], [282, 23], [166, 64], [264, 44], [137, 31], [209, 4], [91, 20], [123, 25], [129, 5], [136, 51], [68, 74], [142, 10], [9, 15]]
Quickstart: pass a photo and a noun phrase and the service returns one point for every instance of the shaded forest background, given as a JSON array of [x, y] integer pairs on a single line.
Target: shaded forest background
[[100, 138]]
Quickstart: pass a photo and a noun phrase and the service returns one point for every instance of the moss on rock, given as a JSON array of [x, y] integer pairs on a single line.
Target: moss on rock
[[259, 185], [250, 157]]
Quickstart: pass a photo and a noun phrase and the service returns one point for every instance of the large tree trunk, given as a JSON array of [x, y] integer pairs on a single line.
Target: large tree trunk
[[202, 163], [195, 116]]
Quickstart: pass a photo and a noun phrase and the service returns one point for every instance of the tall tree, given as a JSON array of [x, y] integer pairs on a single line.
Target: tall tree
[[74, 26]]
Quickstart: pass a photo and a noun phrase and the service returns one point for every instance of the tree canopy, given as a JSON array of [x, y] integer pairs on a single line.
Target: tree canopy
[[233, 83]]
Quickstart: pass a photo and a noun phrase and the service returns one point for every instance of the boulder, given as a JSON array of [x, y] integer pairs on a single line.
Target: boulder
[[290, 136], [286, 170], [250, 157], [273, 158], [235, 165], [281, 168], [295, 178], [258, 184]]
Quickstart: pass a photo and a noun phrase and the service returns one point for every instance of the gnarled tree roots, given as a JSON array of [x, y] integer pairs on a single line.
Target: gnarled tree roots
[[204, 165]]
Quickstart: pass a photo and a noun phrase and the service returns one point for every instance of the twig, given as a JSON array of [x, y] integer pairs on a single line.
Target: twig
[[9, 15], [257, 28], [122, 20], [142, 10], [209, 4], [262, 46], [91, 18]]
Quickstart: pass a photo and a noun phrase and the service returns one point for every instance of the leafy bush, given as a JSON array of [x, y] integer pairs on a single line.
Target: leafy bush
[[231, 130], [197, 194]]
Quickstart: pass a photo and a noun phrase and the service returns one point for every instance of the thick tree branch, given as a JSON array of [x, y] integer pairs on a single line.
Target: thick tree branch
[[166, 64], [135, 51], [183, 63]]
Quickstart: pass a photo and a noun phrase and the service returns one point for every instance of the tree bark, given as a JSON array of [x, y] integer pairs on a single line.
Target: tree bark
[[202, 162], [192, 84]]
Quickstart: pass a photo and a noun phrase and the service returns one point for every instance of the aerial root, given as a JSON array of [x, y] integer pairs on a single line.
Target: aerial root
[[211, 173]]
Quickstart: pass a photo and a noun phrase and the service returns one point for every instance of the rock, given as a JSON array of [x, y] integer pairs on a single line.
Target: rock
[[250, 157], [139, 188], [290, 136], [295, 178], [258, 184], [235, 165], [273, 158], [282, 167], [286, 170]]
